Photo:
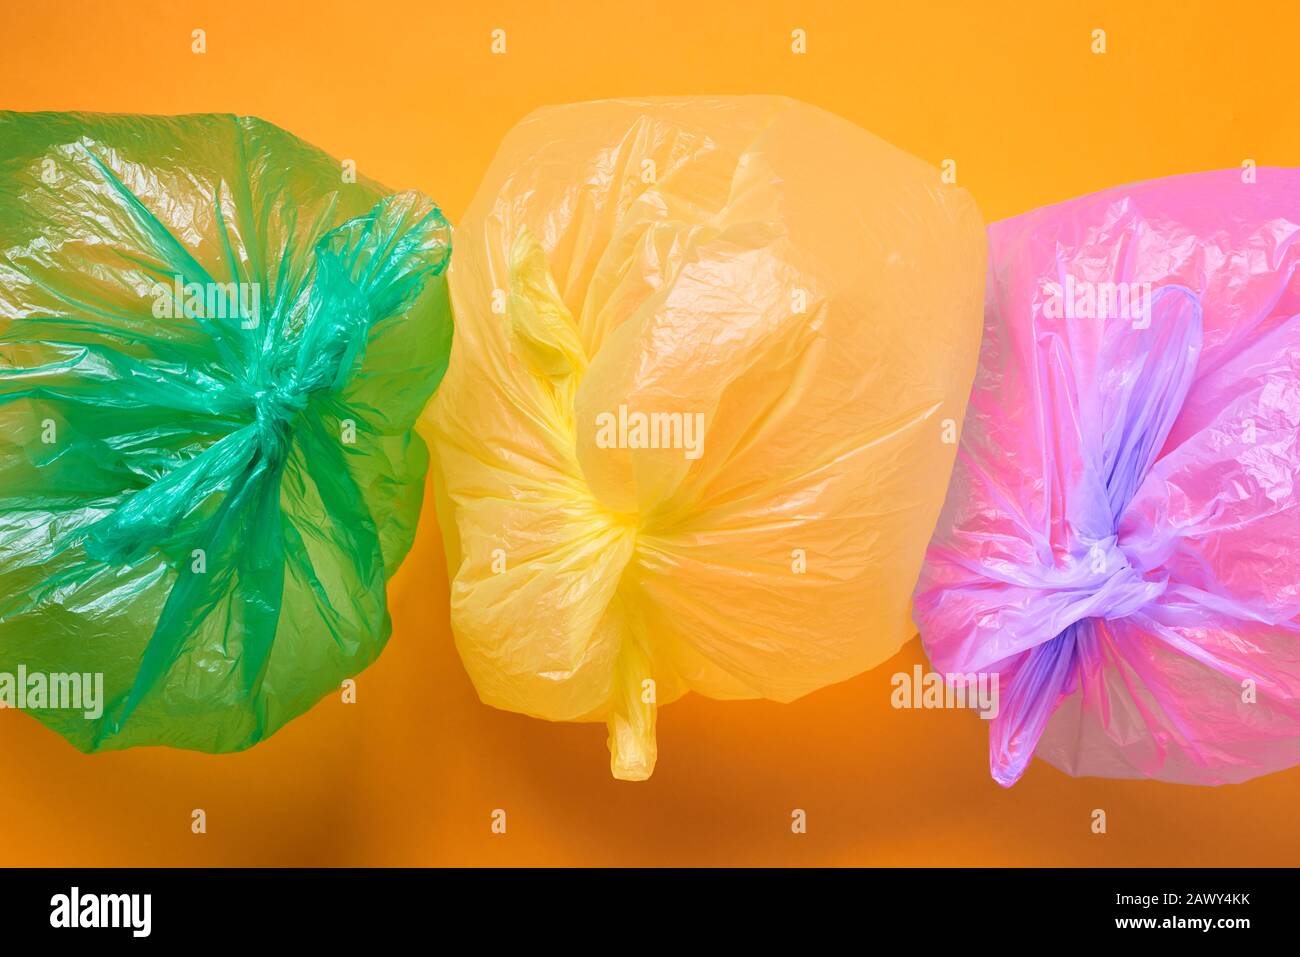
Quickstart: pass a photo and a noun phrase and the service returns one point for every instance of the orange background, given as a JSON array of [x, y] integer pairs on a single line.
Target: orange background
[[411, 773]]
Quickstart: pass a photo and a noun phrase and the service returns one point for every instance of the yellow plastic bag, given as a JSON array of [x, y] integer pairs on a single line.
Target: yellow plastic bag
[[710, 359]]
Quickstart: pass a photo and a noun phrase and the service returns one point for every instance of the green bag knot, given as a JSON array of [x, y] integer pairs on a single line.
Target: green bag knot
[[275, 409], [367, 270]]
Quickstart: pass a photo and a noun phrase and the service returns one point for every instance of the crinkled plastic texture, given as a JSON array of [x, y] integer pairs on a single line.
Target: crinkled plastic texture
[[202, 497], [1121, 540], [809, 290]]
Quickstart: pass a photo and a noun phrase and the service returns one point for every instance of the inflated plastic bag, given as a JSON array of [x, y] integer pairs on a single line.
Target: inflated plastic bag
[[1121, 541], [213, 348], [692, 436]]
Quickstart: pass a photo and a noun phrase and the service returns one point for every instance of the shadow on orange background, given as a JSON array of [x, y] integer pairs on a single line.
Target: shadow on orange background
[[412, 772]]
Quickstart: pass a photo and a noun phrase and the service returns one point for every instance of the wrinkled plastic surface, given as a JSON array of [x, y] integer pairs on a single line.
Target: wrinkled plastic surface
[[224, 493], [1121, 541], [811, 291]]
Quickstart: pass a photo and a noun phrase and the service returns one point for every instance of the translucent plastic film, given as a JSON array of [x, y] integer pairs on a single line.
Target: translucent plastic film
[[1121, 541], [213, 348], [702, 406]]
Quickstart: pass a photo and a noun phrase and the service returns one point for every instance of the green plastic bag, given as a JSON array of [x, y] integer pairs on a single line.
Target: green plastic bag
[[214, 344]]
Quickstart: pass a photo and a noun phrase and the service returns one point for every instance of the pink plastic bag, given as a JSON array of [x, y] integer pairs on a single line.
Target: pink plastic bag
[[1120, 545]]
